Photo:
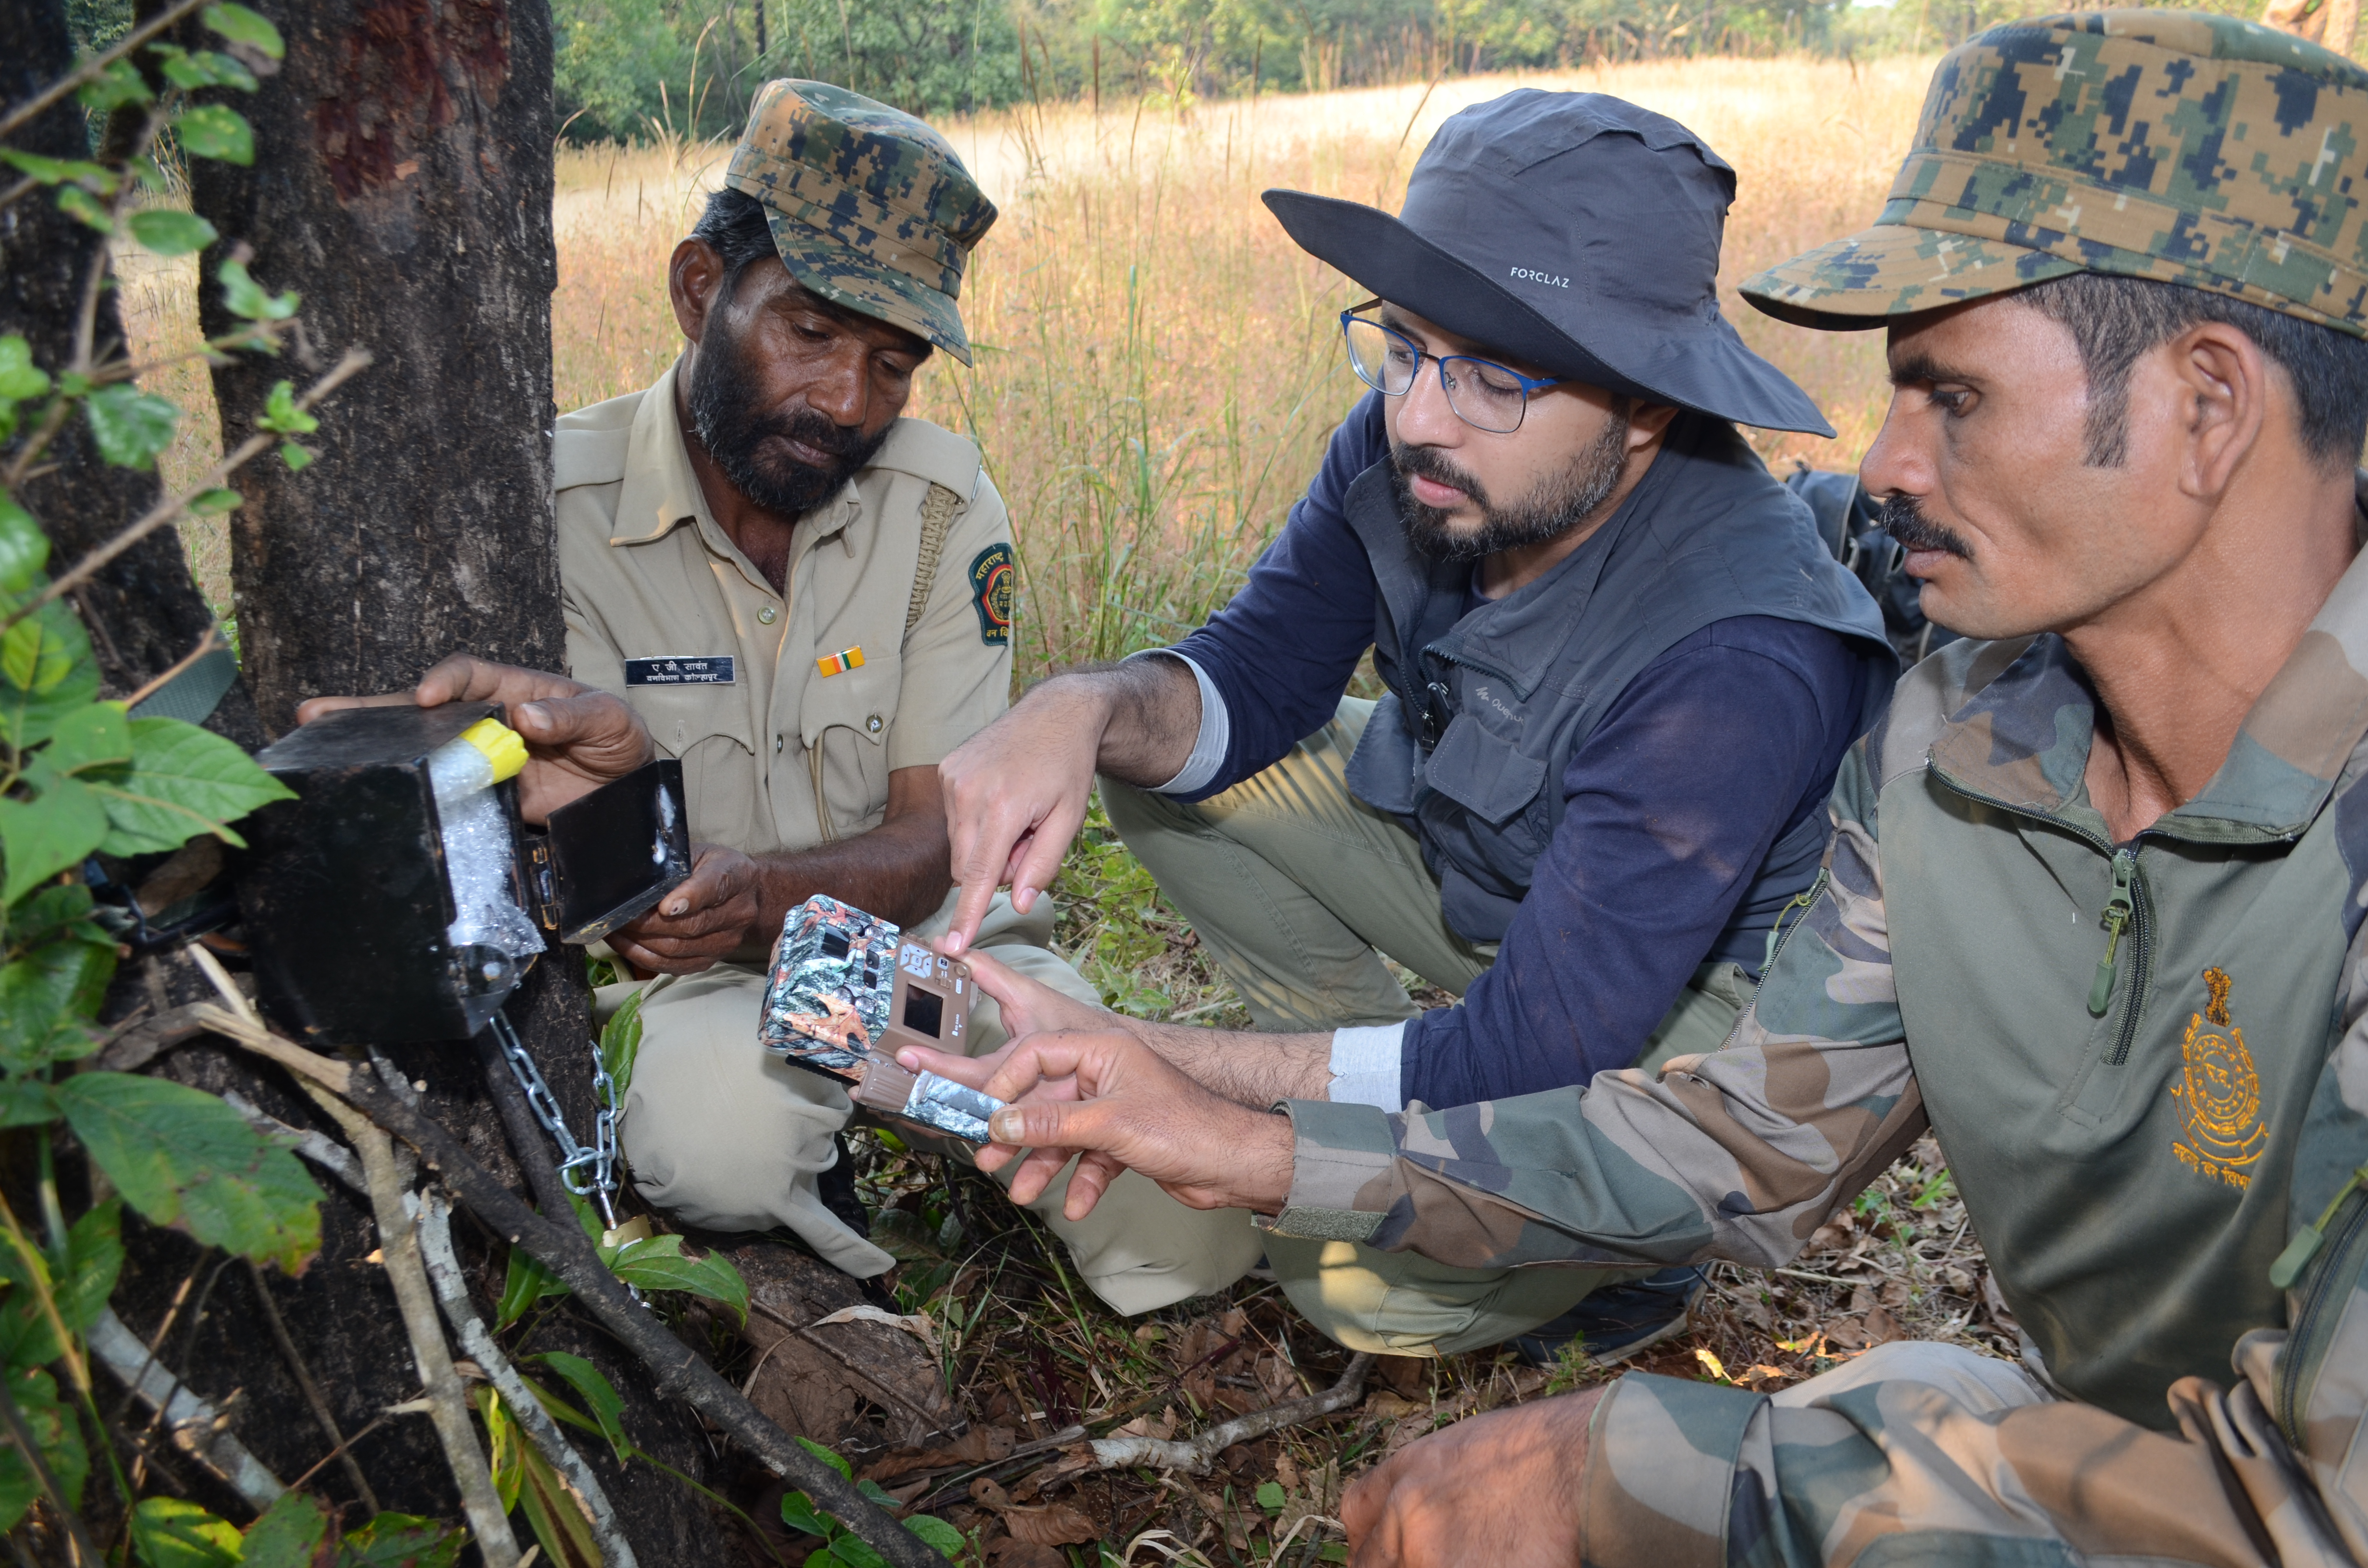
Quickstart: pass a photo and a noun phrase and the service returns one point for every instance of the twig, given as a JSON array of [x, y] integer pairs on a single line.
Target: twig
[[447, 1409], [338, 1452], [931, 1425], [194, 1425], [311, 1389], [166, 510], [453, 1295], [206, 644], [90, 69], [1199, 1453], [22, 1436], [567, 1252]]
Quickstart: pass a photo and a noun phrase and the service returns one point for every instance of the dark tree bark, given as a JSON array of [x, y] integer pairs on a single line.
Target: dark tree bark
[[144, 610], [402, 184]]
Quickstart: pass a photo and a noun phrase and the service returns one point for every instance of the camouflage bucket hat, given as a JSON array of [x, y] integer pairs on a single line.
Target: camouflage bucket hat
[[2171, 145], [870, 207]]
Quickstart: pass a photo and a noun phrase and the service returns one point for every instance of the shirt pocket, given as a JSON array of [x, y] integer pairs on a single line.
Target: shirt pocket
[[844, 723], [708, 729]]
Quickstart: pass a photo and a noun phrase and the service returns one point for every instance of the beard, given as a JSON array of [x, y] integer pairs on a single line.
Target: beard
[[740, 432], [1906, 521], [1552, 508]]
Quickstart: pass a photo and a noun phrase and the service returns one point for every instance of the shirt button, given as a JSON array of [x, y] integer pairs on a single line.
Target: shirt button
[[776, 745], [873, 724], [766, 616]]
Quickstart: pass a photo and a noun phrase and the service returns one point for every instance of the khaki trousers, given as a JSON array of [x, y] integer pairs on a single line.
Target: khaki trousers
[[722, 1134], [1297, 888]]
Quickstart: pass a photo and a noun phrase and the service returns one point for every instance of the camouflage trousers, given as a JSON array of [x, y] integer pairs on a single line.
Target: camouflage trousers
[[1913, 1452]]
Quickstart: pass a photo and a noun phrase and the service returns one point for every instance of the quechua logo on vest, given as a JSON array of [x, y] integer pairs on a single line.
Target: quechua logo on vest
[[2219, 1093], [994, 579]]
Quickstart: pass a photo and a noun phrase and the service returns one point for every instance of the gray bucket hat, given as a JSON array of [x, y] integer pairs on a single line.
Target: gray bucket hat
[[1574, 231]]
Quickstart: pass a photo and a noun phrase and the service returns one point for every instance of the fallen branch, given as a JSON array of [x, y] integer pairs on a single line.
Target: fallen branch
[[1198, 1454], [565, 1249], [195, 1427], [448, 1407], [453, 1295]]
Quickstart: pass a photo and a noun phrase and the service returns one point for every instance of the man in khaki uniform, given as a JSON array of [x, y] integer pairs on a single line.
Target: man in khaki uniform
[[807, 599]]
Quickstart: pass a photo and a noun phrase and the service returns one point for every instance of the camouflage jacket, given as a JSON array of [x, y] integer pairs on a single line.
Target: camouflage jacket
[[2144, 1063]]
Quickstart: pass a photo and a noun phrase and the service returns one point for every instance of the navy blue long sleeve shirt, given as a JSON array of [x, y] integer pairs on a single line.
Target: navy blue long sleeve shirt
[[1712, 752]]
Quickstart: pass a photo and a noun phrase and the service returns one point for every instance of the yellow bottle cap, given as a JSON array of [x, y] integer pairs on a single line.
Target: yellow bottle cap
[[501, 745]]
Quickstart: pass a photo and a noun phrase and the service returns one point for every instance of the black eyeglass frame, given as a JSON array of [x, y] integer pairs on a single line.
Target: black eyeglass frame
[[1530, 385]]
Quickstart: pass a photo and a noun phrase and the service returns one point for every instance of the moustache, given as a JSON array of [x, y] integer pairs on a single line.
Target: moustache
[[1430, 463], [810, 429], [1905, 522]]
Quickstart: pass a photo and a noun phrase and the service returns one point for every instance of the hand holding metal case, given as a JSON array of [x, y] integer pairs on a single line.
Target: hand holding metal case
[[849, 990], [345, 893]]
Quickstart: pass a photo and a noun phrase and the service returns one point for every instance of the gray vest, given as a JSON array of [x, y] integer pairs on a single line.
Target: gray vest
[[1484, 709]]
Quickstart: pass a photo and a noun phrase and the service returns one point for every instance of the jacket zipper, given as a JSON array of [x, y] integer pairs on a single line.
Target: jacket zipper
[[2127, 908], [1779, 933], [2341, 1263]]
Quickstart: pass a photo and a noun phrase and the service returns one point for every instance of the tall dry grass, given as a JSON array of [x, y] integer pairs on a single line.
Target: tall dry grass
[[1157, 369]]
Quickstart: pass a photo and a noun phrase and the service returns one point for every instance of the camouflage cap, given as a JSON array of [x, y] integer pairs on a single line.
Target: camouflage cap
[[2172, 145], [870, 207]]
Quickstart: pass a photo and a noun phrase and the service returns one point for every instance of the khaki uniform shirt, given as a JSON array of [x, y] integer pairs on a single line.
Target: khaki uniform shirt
[[665, 610]]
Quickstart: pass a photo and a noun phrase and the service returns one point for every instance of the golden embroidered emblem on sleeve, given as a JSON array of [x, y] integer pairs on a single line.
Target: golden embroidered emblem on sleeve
[[2219, 1092]]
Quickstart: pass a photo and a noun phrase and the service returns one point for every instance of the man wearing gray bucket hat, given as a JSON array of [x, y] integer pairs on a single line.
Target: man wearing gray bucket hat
[[1620, 668]]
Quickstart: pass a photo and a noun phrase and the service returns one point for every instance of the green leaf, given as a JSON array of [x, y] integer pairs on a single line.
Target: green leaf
[[527, 1282], [239, 24], [45, 995], [130, 426], [607, 1404], [26, 715], [503, 1445], [59, 1436], [85, 208], [169, 1533], [55, 910], [119, 83], [184, 1159], [42, 837], [947, 1540], [19, 377], [182, 781], [90, 736], [657, 1264], [169, 232], [281, 412], [1271, 1496], [620, 1045], [95, 177], [298, 459], [24, 548], [243, 296], [212, 131], [798, 1513], [873, 1492], [832, 1459], [34, 656], [214, 502], [289, 1534], [854, 1553], [193, 69], [25, 1102], [402, 1540]]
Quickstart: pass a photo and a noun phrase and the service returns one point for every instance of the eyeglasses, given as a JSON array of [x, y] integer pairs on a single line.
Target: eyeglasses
[[1484, 394]]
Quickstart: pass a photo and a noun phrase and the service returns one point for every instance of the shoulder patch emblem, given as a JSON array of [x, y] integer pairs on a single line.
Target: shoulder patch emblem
[[2220, 1093], [994, 579]]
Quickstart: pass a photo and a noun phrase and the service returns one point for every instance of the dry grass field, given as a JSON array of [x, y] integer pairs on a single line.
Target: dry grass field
[[1156, 375]]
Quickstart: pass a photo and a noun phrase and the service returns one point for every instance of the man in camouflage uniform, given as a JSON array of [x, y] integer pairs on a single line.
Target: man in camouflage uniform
[[2092, 908], [806, 597]]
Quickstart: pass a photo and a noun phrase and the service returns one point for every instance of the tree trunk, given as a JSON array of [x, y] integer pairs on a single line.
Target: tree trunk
[[403, 186], [144, 610]]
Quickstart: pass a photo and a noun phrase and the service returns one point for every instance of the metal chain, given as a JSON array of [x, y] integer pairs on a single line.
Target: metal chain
[[574, 1157]]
